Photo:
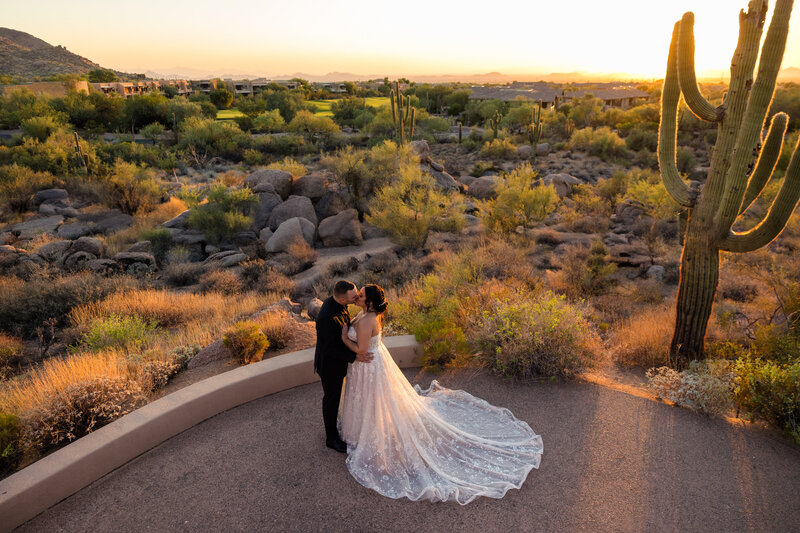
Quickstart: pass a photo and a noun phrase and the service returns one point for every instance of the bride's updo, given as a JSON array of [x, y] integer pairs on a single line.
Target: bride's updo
[[375, 298]]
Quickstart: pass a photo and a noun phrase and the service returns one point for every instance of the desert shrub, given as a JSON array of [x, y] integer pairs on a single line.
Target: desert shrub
[[601, 142], [10, 352], [226, 212], [643, 338], [685, 160], [117, 331], [252, 157], [132, 188], [19, 184], [291, 166], [24, 307], [277, 326], [770, 391], [269, 121], [223, 281], [153, 375], [314, 128], [271, 280], [41, 127], [704, 387], [153, 131], [347, 166], [411, 208], [179, 271], [519, 202], [654, 197], [282, 145], [583, 271], [10, 446], [190, 196], [640, 138], [160, 241], [613, 188], [203, 139], [499, 149], [480, 168], [536, 335], [77, 410], [301, 251], [246, 342]]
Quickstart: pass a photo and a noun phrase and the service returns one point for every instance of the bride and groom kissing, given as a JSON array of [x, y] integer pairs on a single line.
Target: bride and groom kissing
[[436, 444]]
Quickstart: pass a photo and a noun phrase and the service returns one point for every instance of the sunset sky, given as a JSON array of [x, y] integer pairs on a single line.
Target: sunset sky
[[269, 38]]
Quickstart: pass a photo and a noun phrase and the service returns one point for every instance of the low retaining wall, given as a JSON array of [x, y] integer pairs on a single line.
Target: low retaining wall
[[64, 472]]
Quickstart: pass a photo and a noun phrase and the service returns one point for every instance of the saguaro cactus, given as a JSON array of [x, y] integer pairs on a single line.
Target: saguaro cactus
[[729, 189], [535, 128], [400, 115], [494, 122]]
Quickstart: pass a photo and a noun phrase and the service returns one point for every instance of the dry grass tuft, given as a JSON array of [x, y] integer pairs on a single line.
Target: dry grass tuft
[[277, 326], [222, 280], [121, 240], [643, 339], [301, 251]]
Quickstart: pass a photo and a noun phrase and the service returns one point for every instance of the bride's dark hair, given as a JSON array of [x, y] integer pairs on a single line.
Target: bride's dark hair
[[375, 298]]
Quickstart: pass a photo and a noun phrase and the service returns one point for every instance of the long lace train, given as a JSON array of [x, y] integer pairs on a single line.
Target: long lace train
[[436, 444]]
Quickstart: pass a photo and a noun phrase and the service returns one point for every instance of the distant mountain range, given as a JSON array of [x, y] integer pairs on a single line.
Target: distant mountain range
[[24, 56]]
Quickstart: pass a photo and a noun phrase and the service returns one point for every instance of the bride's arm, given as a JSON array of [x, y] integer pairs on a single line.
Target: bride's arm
[[363, 334]]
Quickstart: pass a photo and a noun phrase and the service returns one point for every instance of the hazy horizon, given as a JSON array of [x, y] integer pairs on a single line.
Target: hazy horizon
[[365, 39]]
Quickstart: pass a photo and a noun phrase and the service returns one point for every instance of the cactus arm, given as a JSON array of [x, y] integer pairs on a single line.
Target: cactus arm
[[766, 161], [760, 97], [779, 213], [413, 119], [668, 131], [701, 107]]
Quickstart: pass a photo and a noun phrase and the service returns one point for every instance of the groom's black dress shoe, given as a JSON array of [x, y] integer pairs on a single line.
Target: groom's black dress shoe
[[336, 444]]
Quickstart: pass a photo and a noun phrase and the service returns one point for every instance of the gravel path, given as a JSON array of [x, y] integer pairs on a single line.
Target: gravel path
[[612, 462]]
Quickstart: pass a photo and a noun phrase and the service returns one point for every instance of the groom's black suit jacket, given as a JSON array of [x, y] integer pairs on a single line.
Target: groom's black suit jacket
[[332, 356]]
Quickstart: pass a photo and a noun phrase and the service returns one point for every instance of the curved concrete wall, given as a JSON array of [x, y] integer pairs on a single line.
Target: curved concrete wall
[[64, 472]]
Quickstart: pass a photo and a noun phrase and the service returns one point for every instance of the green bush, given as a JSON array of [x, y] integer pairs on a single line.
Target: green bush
[[314, 128], [639, 138], [40, 128], [117, 332], [601, 142], [770, 391], [160, 241], [291, 166], [685, 160], [411, 208], [269, 122], [246, 342], [499, 149], [132, 189], [203, 139], [18, 185], [10, 447], [536, 335], [519, 202], [226, 212]]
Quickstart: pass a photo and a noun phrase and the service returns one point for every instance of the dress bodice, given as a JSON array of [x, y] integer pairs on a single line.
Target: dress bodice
[[373, 342]]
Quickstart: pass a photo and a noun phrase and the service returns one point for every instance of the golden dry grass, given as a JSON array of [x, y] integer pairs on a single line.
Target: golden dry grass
[[277, 326], [37, 242], [121, 240]]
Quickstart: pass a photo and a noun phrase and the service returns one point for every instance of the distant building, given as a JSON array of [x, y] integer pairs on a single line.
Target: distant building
[[333, 86], [612, 94], [534, 92]]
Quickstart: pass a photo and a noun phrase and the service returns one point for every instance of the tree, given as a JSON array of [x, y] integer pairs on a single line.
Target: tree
[[221, 97], [312, 127], [457, 101], [731, 186], [100, 75]]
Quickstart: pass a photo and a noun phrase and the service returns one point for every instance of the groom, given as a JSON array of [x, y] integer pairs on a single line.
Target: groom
[[332, 357]]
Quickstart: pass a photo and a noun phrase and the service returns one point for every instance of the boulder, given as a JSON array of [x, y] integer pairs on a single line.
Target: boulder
[[52, 251], [293, 207], [314, 307], [142, 246], [542, 149], [77, 260], [37, 226], [49, 195], [443, 180], [331, 203], [484, 187], [368, 231], [656, 273], [288, 232], [7, 237], [244, 238], [189, 237], [524, 151], [270, 180], [213, 352], [267, 201], [179, 221], [100, 265], [126, 259], [69, 212], [343, 229], [561, 182], [264, 235], [466, 180], [421, 148], [47, 210], [113, 223], [74, 230], [313, 186]]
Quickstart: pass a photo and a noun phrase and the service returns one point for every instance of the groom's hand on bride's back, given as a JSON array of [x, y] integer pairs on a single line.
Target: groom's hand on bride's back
[[364, 357]]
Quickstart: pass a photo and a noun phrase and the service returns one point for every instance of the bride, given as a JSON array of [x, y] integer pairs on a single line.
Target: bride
[[436, 444]]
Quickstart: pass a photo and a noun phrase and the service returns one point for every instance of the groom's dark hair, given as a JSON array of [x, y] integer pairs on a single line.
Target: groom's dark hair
[[343, 287]]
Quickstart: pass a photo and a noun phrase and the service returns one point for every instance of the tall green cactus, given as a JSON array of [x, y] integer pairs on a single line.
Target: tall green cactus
[[535, 128], [494, 122], [400, 115], [729, 189]]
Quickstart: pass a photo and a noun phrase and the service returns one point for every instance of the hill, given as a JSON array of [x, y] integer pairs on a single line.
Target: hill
[[24, 56]]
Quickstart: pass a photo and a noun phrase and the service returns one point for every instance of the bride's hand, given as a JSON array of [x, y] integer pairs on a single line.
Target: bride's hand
[[364, 357], [345, 338]]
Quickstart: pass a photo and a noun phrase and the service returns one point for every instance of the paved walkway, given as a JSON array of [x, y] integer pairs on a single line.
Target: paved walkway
[[612, 462]]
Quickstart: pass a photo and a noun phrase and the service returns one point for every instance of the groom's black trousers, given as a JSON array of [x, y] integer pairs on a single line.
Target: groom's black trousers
[[332, 393]]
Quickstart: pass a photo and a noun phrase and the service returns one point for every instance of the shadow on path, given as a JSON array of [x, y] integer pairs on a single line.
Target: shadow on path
[[611, 462]]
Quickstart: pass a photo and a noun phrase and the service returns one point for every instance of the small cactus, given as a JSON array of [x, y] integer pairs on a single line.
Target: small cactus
[[494, 122], [535, 128], [402, 111]]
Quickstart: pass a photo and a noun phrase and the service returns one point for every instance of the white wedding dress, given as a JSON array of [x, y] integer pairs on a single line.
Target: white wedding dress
[[436, 444]]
